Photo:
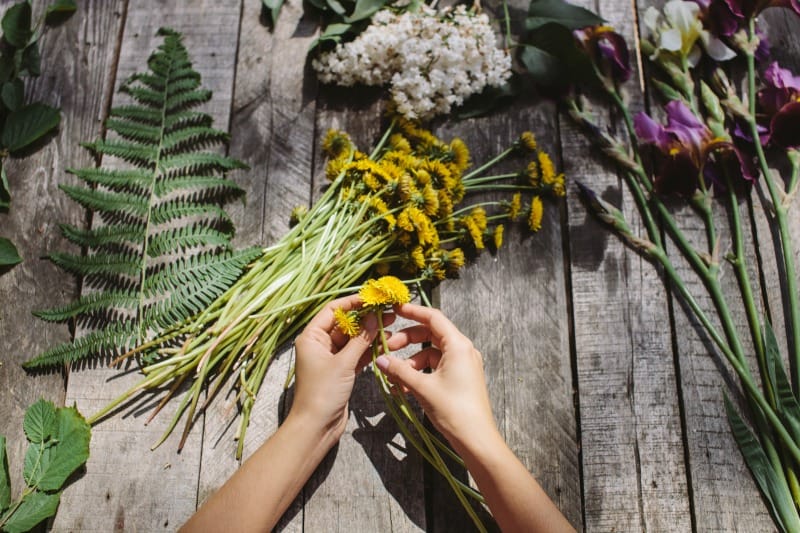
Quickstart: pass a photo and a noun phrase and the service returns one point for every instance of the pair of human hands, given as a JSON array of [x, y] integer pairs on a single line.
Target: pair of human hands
[[453, 395]]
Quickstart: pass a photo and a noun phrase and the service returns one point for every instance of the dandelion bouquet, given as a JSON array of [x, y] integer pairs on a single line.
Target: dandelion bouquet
[[711, 145]]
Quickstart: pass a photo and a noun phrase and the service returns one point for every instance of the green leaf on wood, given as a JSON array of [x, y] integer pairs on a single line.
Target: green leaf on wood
[[30, 61], [8, 253], [13, 94], [28, 124], [553, 58], [16, 25], [541, 12], [271, 9], [365, 9], [34, 508], [40, 421], [60, 10], [773, 488], [5, 479]]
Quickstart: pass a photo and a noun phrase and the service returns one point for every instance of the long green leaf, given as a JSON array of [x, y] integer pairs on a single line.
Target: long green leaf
[[788, 407], [775, 493], [35, 507], [5, 479], [572, 17]]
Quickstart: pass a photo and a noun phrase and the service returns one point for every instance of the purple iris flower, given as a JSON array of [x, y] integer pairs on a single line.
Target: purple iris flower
[[687, 150], [726, 16], [779, 106], [608, 50]]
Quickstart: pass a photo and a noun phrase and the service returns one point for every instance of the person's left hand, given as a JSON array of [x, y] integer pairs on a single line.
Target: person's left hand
[[327, 363]]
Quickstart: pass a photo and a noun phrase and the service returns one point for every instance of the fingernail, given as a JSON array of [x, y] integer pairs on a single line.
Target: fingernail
[[382, 362], [370, 322]]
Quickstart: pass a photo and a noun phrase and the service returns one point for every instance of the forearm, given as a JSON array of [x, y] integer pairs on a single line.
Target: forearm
[[259, 492], [516, 500]]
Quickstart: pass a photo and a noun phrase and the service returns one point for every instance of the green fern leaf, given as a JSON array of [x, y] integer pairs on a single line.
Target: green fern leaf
[[187, 237], [104, 235], [119, 180], [107, 202], [161, 246]]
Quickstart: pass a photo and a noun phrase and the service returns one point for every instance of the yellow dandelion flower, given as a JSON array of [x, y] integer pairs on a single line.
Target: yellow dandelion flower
[[535, 216], [479, 216], [475, 233], [442, 177], [335, 167], [532, 171], [559, 188], [390, 220], [399, 143], [386, 290], [404, 220], [360, 156], [431, 200], [547, 169], [407, 188], [445, 203], [418, 256], [298, 213], [336, 143], [371, 181], [454, 260], [423, 177], [528, 141], [390, 171], [515, 206], [498, 236], [347, 321], [460, 154]]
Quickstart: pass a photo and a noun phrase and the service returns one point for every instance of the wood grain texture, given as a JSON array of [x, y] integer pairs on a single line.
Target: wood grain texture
[[634, 476], [130, 487], [272, 129], [74, 78]]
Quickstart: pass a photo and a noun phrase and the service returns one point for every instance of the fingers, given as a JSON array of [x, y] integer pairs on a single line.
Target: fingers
[[438, 324], [356, 346], [426, 358], [401, 372], [410, 335], [325, 320]]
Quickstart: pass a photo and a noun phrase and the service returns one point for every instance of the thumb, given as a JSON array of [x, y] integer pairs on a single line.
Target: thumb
[[356, 346], [400, 372]]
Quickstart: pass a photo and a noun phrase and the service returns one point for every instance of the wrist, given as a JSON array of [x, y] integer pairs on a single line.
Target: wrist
[[479, 445], [323, 432]]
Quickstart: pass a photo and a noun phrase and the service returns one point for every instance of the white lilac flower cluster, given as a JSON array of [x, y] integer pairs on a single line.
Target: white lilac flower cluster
[[431, 60]]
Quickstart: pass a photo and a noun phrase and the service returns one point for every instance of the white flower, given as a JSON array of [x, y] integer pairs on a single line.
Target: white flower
[[431, 60]]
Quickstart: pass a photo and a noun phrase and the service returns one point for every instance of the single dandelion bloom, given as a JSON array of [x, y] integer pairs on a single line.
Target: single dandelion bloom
[[479, 216], [346, 321], [335, 167], [445, 203], [528, 141], [475, 232], [423, 177], [431, 200], [399, 143], [404, 220], [407, 188], [515, 206], [532, 172], [535, 216], [371, 181], [498, 236], [559, 188], [547, 169], [418, 257], [460, 154], [336, 143], [454, 260], [386, 290]]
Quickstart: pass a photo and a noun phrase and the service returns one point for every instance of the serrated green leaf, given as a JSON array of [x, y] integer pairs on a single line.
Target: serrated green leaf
[[27, 124], [40, 421], [34, 508], [13, 94], [773, 488], [17, 25], [5, 479], [572, 17], [70, 451], [8, 253], [59, 10]]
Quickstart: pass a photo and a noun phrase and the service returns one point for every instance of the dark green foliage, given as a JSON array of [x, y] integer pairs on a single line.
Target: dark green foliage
[[161, 249]]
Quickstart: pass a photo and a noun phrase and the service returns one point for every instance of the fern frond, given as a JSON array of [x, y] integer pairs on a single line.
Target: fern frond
[[199, 163], [119, 180], [107, 202], [91, 303], [104, 235], [165, 250], [137, 154], [178, 209], [114, 338], [134, 131], [187, 237], [203, 186], [98, 264]]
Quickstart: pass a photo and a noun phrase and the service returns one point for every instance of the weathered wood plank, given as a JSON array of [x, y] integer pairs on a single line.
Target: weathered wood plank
[[75, 78], [129, 487], [364, 484], [634, 475], [272, 129]]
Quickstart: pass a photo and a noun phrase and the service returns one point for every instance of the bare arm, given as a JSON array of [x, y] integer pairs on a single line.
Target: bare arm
[[257, 495], [454, 395]]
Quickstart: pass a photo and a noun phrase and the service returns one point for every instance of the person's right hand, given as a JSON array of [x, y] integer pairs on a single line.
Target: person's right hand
[[454, 394]]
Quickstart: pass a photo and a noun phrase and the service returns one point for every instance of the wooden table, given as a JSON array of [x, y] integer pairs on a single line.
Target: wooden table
[[600, 381]]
